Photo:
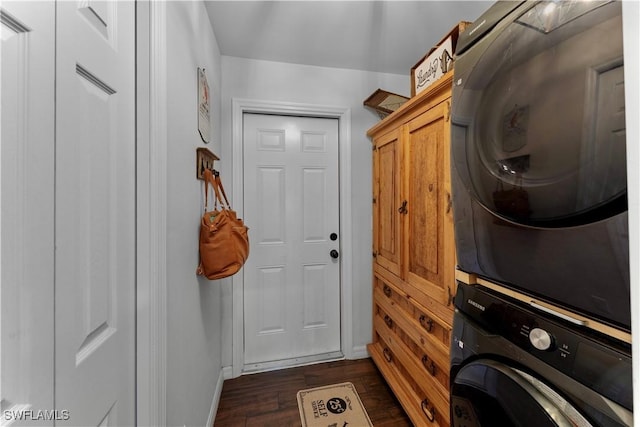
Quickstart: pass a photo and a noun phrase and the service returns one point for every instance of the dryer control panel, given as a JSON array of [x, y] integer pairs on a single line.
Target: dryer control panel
[[590, 361]]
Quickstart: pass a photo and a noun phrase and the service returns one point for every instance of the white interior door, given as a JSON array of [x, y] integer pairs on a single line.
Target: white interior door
[[291, 204], [95, 212], [27, 167]]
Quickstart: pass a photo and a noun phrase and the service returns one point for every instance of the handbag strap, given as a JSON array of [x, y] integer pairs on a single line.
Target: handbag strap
[[208, 179], [219, 185], [218, 189]]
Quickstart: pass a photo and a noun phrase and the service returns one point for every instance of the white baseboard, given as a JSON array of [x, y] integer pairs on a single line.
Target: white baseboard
[[216, 398], [227, 372], [359, 352]]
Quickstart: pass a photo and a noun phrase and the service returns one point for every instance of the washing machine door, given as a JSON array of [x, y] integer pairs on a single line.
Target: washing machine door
[[487, 393]]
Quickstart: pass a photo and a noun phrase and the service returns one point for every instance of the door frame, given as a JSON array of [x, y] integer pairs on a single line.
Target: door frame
[[343, 114], [151, 213]]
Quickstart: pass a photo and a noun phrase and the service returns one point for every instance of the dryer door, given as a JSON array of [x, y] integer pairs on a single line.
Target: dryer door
[[487, 393], [538, 115]]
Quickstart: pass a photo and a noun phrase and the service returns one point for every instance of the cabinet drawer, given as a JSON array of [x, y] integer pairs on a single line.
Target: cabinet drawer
[[423, 409], [413, 366], [424, 328], [418, 295], [427, 360]]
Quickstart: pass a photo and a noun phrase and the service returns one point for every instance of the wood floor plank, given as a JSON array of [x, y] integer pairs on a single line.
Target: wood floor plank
[[268, 399]]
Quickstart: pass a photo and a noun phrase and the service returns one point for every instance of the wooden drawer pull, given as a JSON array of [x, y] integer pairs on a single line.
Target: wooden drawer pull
[[428, 410], [388, 321], [387, 354], [387, 291], [426, 323], [429, 365]]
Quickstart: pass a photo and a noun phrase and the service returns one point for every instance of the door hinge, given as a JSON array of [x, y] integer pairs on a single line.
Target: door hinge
[[448, 112], [375, 254], [374, 200], [374, 148], [450, 300]]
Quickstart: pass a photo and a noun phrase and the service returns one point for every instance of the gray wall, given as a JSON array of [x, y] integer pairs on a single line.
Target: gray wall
[[193, 303]]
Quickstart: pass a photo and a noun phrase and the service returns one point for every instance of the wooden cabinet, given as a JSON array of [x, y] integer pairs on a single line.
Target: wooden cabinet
[[414, 253]]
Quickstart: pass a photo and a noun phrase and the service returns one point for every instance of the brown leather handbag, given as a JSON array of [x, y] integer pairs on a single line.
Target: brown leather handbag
[[224, 239]]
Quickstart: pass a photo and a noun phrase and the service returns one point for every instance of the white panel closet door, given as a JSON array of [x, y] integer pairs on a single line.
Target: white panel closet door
[[291, 281], [95, 212], [26, 175]]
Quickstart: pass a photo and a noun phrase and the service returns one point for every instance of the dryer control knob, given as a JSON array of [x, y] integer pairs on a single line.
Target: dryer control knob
[[541, 339]]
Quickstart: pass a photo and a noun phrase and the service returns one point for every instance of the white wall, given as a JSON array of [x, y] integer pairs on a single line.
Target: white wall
[[193, 303], [631, 32], [282, 82]]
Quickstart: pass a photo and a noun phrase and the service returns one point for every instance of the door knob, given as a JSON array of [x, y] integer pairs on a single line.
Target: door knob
[[334, 254]]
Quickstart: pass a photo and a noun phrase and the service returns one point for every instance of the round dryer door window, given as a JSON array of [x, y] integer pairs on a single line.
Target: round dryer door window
[[541, 112], [486, 393]]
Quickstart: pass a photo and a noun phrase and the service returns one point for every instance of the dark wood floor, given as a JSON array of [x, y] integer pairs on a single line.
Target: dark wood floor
[[269, 399]]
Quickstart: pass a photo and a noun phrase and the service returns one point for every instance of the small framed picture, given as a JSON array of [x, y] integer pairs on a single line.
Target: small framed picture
[[384, 103], [204, 118]]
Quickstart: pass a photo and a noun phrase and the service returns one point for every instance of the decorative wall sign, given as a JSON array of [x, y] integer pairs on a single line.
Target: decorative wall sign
[[204, 119], [434, 66], [437, 62]]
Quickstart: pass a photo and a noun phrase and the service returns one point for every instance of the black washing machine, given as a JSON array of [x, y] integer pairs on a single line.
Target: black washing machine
[[511, 366]]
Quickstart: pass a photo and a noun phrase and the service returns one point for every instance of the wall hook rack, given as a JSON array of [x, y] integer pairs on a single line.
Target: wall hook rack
[[204, 160]]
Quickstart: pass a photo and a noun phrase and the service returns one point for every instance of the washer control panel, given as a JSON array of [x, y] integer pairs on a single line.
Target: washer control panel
[[593, 362]]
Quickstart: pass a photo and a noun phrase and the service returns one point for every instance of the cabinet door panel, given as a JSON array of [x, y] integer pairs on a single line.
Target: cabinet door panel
[[424, 230], [387, 218]]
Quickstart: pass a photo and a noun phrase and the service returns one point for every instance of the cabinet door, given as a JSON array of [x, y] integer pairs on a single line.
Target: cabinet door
[[386, 197], [428, 229]]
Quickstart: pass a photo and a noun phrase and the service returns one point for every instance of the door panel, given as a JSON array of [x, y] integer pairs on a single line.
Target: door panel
[[26, 169], [95, 215], [291, 283]]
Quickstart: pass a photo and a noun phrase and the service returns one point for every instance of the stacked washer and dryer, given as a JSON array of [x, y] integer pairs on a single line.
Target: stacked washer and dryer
[[542, 329]]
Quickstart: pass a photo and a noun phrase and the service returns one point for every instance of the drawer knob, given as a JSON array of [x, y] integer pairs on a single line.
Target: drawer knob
[[429, 365], [387, 291], [388, 321], [428, 410], [387, 354], [426, 323]]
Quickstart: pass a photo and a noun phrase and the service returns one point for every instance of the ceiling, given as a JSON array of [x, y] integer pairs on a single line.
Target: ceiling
[[379, 36]]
